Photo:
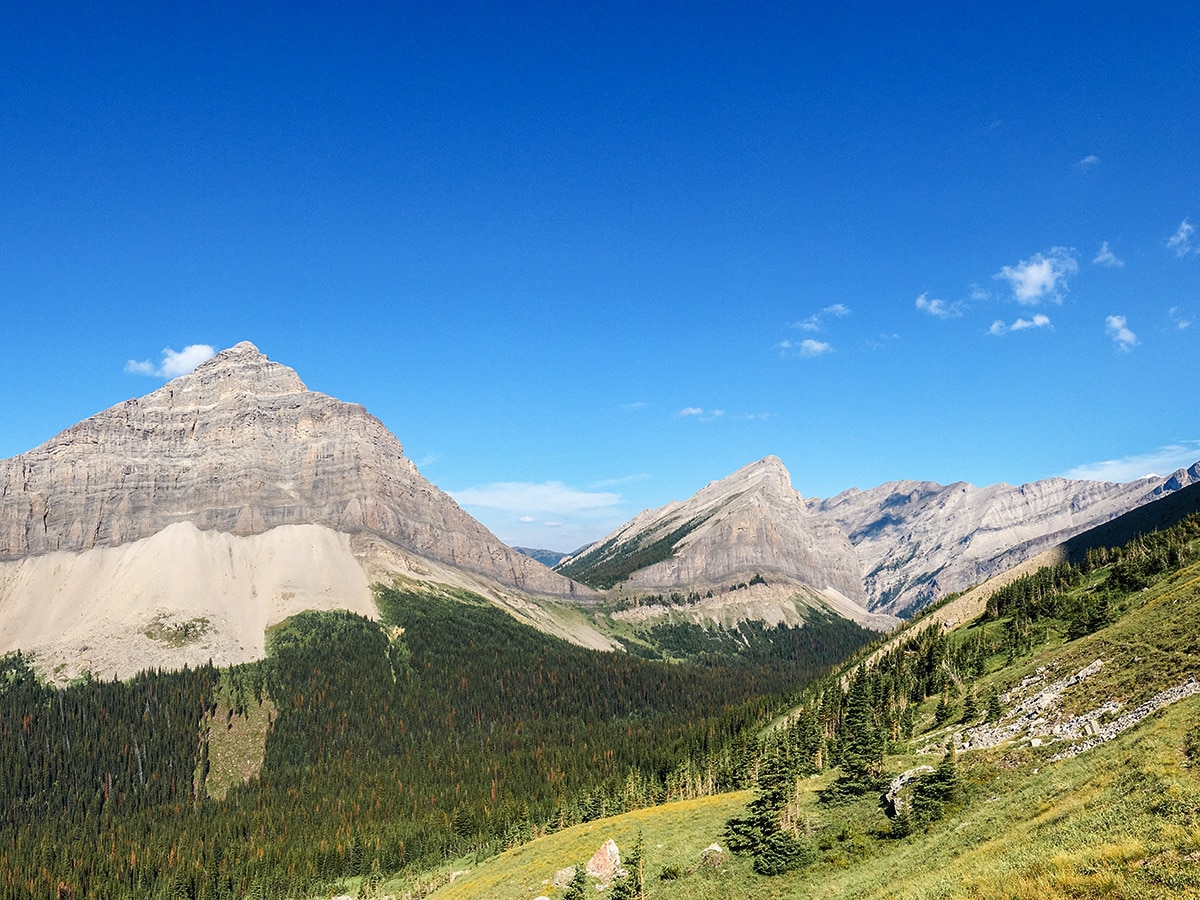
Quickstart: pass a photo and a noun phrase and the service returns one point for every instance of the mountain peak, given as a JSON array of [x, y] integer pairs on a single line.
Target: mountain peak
[[768, 473], [242, 368]]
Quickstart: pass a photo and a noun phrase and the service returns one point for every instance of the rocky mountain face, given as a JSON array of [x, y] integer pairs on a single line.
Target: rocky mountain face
[[241, 446], [891, 549], [752, 523], [221, 503], [917, 540]]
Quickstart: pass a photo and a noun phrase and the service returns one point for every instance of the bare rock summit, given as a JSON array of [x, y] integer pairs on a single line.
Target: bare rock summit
[[241, 446], [751, 523]]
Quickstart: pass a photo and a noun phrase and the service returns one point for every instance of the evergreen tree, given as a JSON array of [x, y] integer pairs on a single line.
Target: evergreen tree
[[994, 709], [632, 885], [577, 886], [933, 792], [862, 743]]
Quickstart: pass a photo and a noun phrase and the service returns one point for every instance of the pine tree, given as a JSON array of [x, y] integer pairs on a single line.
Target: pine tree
[[632, 885], [577, 886], [932, 793], [994, 709]]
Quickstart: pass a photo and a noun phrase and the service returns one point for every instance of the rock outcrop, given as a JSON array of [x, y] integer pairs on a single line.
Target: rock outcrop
[[917, 541], [241, 446]]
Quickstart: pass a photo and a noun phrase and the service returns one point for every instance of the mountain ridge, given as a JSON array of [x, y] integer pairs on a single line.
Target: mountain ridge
[[890, 549], [112, 526]]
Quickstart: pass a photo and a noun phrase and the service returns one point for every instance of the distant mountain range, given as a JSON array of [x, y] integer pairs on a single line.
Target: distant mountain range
[[891, 549], [177, 527]]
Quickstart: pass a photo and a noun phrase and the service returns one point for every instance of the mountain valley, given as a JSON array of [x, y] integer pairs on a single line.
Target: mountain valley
[[329, 679]]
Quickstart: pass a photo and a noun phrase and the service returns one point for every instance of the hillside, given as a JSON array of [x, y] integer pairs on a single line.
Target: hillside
[[1072, 705]]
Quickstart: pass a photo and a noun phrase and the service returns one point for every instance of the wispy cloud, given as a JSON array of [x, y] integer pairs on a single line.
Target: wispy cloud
[[807, 347], [939, 309], [1181, 240], [617, 482], [1107, 258], [813, 322], [1162, 461], [1041, 277], [1118, 330], [1089, 162], [1176, 315], [882, 340], [1039, 320], [698, 412], [634, 406], [173, 363], [531, 498]]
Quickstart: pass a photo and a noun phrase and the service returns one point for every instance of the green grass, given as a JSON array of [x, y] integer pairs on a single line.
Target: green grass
[[177, 634], [674, 835]]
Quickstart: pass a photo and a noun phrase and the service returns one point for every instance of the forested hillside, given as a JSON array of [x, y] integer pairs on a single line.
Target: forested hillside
[[393, 745], [1047, 750]]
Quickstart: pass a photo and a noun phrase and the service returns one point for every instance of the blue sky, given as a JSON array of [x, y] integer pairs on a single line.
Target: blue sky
[[584, 258]]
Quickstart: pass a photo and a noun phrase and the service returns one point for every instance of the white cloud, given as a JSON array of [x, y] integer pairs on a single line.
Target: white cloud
[[1162, 461], [1181, 240], [1107, 258], [1041, 277], [173, 363], [526, 498], [809, 347], [699, 413], [1119, 331], [978, 293], [1089, 161], [939, 309], [1038, 321], [1176, 315], [813, 322], [526, 519]]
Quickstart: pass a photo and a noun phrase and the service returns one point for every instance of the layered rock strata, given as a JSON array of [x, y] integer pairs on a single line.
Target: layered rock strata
[[241, 446]]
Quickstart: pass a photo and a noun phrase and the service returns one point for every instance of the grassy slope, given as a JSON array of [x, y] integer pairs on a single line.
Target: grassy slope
[[1122, 820]]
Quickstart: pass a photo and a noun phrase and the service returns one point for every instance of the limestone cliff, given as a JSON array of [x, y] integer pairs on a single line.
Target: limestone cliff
[[751, 523], [241, 446], [918, 540]]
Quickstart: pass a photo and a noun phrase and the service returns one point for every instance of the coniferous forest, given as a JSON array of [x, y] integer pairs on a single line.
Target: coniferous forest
[[445, 728]]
